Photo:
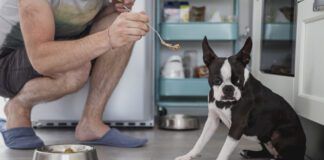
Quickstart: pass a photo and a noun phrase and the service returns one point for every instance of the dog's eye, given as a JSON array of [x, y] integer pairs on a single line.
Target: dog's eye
[[235, 80], [218, 81]]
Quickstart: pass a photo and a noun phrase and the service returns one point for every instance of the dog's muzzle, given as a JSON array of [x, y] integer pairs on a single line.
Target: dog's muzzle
[[228, 92]]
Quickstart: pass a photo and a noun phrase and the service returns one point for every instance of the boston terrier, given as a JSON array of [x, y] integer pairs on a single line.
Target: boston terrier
[[249, 109]]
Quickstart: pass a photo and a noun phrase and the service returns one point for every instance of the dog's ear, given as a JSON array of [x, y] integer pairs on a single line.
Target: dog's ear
[[208, 52], [244, 54]]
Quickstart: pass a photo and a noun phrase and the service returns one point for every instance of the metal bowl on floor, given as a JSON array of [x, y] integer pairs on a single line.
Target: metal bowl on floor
[[179, 122], [66, 152]]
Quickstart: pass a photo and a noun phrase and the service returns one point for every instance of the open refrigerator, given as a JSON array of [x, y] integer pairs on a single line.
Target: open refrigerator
[[132, 103]]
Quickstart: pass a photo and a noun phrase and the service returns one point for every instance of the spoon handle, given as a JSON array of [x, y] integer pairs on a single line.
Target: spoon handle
[[152, 28]]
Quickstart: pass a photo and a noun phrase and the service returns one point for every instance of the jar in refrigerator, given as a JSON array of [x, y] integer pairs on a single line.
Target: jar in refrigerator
[[189, 62]]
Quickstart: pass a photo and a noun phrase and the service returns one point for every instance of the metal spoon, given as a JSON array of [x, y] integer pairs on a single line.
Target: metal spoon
[[169, 45]]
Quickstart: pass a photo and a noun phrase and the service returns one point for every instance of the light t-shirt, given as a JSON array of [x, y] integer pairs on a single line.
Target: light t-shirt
[[72, 17]]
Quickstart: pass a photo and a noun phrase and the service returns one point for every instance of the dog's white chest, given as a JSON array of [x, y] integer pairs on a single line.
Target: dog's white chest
[[225, 115], [251, 138]]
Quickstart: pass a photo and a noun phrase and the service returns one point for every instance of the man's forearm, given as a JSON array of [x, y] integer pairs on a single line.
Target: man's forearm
[[50, 57], [61, 56]]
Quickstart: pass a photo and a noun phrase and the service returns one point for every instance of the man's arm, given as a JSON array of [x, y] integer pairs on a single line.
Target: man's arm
[[50, 57]]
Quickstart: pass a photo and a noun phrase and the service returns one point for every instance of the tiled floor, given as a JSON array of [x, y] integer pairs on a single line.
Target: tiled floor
[[163, 145]]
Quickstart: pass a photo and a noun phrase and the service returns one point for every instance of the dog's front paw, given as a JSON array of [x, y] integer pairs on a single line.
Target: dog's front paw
[[247, 154], [186, 157]]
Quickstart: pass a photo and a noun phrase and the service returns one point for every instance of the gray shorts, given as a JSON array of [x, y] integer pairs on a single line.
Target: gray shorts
[[15, 71]]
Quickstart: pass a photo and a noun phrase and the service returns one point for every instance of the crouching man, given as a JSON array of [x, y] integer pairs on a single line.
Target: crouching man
[[47, 50]]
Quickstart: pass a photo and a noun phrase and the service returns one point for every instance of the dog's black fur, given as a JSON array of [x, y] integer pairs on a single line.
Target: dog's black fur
[[259, 112]]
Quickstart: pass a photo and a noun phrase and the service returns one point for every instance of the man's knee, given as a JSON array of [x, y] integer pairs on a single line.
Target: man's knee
[[75, 80]]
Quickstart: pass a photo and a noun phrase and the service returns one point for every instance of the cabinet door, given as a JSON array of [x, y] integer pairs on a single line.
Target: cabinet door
[[273, 45], [309, 84]]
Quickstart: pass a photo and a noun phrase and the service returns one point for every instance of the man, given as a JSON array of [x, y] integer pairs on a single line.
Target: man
[[47, 50]]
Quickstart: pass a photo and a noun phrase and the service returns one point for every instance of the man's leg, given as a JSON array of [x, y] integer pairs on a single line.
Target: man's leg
[[42, 89], [26, 89], [106, 74]]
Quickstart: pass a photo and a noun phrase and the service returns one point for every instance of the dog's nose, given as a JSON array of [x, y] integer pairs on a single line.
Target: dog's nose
[[228, 90]]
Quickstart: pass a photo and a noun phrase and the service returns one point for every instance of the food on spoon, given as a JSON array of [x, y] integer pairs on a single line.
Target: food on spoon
[[171, 46]]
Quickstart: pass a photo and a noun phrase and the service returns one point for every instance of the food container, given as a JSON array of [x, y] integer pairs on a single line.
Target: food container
[[197, 14], [189, 62], [201, 72], [66, 152], [173, 68], [184, 11], [171, 12], [179, 122]]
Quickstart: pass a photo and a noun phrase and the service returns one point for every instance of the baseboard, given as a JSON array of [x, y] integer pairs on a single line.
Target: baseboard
[[68, 124]]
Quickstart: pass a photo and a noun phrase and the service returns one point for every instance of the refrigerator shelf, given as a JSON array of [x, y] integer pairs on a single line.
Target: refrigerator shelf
[[197, 31], [278, 31], [187, 104], [184, 87]]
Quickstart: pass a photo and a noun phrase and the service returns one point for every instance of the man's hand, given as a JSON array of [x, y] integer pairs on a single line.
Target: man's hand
[[119, 5], [128, 28]]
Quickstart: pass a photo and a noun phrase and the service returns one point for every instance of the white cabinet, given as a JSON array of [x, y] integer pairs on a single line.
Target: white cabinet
[[309, 81]]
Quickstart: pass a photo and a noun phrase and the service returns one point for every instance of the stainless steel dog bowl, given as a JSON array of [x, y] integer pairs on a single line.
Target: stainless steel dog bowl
[[59, 152], [179, 122]]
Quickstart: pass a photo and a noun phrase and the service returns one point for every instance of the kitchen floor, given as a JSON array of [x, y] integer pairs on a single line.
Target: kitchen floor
[[162, 145]]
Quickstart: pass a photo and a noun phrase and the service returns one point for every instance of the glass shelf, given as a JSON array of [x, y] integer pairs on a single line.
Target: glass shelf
[[278, 31], [197, 31], [183, 104], [184, 87]]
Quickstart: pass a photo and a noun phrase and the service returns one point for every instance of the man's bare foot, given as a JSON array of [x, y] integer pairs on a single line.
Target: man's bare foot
[[17, 114], [88, 130]]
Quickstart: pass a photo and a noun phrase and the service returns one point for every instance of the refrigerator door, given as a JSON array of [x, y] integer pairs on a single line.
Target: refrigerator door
[[273, 45], [132, 103]]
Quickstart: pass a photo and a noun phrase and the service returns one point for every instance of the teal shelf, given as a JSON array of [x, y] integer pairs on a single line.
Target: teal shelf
[[197, 31], [278, 31], [170, 104], [184, 87]]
